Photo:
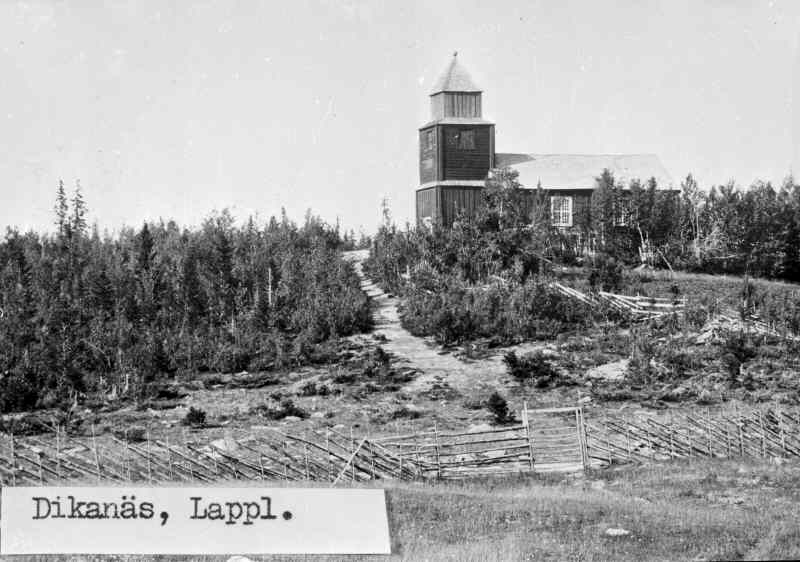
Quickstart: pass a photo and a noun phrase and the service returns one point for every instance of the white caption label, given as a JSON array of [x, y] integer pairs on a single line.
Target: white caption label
[[131, 520]]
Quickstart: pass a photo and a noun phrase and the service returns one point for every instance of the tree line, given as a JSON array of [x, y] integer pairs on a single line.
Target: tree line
[[753, 231], [82, 311]]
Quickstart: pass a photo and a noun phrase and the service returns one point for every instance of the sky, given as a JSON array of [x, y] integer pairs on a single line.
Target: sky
[[176, 109]]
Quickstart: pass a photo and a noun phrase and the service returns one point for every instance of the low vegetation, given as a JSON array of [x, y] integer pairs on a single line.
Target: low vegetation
[[488, 281]]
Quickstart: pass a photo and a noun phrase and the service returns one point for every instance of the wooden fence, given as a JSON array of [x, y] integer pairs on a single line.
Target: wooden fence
[[546, 440], [555, 439], [755, 433], [639, 307]]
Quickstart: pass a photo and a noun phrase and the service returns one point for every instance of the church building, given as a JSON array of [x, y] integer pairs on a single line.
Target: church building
[[457, 152]]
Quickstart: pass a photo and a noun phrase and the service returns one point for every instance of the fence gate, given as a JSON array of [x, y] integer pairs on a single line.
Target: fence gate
[[557, 438]]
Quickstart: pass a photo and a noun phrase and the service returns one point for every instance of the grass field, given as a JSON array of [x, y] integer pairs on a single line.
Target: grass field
[[688, 510]]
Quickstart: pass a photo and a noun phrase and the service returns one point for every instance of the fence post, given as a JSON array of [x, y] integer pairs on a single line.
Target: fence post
[[41, 472], [305, 454], [526, 422], [169, 458], [580, 442], [416, 454], [58, 451], [13, 461], [436, 449], [371, 460], [779, 416], [352, 466], [149, 468], [328, 450], [96, 453]]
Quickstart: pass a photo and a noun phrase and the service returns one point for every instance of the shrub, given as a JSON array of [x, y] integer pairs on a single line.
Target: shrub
[[532, 367], [407, 412], [606, 274], [285, 409], [18, 392], [737, 350], [313, 389], [195, 417], [498, 406], [132, 434]]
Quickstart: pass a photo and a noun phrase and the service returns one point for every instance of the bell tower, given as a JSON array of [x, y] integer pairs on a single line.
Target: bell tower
[[456, 148]]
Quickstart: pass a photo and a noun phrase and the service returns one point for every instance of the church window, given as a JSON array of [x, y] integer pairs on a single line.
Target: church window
[[561, 210], [466, 140]]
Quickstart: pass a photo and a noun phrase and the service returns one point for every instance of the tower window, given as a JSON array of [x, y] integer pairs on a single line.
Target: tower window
[[466, 140], [430, 140], [561, 210]]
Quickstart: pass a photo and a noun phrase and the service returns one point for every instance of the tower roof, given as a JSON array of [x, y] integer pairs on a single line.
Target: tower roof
[[455, 78]]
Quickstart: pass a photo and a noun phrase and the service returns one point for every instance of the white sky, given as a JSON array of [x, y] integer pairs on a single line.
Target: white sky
[[171, 110]]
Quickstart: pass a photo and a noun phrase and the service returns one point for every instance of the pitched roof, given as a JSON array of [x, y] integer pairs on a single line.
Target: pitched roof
[[579, 171], [455, 78]]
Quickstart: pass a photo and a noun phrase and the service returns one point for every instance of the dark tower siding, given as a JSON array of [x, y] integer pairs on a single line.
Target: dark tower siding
[[428, 157], [459, 199], [467, 164], [426, 204]]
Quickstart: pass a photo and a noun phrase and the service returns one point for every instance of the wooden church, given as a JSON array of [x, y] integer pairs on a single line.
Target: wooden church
[[456, 155]]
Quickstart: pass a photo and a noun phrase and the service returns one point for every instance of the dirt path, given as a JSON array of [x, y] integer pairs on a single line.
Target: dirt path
[[434, 364]]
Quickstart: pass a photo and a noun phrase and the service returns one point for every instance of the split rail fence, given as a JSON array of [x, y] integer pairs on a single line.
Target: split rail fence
[[555, 439], [639, 307], [756, 433]]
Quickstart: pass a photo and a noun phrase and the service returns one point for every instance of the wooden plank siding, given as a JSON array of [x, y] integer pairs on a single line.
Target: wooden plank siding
[[459, 199], [445, 202], [428, 156], [463, 164], [427, 207], [456, 104]]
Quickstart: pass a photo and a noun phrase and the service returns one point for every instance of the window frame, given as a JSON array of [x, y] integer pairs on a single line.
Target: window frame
[[430, 140], [557, 216], [463, 135]]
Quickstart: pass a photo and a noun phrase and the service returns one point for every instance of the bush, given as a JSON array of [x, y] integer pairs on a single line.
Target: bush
[[454, 312], [407, 412], [532, 367], [132, 434], [498, 406], [195, 417], [313, 389], [285, 409], [737, 349], [606, 274], [18, 392]]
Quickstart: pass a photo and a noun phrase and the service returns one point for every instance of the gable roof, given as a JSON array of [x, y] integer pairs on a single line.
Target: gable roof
[[579, 171], [455, 78]]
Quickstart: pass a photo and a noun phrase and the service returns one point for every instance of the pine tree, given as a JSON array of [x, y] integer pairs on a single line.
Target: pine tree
[[78, 222], [62, 210]]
